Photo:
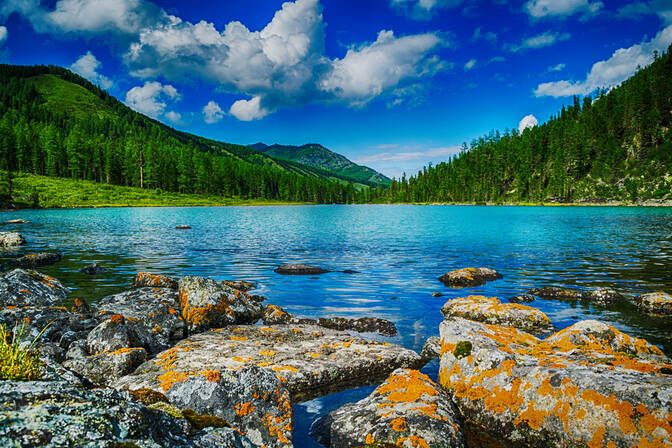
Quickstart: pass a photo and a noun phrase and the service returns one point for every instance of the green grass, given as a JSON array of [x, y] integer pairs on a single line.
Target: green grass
[[71, 99], [69, 193], [17, 363]]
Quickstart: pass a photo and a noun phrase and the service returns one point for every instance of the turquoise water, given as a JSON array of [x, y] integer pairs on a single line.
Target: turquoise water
[[399, 250]]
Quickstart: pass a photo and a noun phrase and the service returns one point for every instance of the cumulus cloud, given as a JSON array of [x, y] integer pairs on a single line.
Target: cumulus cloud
[[150, 99], [3, 34], [87, 16], [611, 72], [538, 9], [422, 9], [87, 66], [545, 39], [248, 110], [487, 36], [556, 68], [173, 117], [638, 9], [212, 112], [528, 121], [471, 63]]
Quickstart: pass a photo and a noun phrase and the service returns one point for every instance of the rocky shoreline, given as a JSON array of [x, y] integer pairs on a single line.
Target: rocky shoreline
[[194, 362]]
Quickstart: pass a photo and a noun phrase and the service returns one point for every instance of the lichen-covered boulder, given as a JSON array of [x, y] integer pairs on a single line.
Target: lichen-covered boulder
[[149, 280], [105, 367], [36, 260], [118, 332], [432, 348], [157, 309], [273, 315], [25, 288], [603, 296], [408, 410], [206, 304], [57, 414], [250, 398], [300, 269], [11, 239], [658, 303], [313, 361], [588, 384], [469, 277], [490, 310]]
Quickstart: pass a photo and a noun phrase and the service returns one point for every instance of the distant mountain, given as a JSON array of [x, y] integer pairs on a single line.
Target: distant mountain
[[316, 155]]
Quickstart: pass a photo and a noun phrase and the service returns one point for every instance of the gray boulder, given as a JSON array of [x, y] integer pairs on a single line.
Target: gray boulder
[[30, 288], [11, 239], [407, 410], [117, 333]]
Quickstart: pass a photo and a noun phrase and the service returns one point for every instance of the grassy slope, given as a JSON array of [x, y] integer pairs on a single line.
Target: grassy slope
[[72, 99], [69, 193]]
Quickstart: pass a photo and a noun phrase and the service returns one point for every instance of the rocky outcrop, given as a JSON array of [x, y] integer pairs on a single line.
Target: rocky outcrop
[[93, 269], [36, 260], [588, 384], [56, 414], [157, 309], [407, 410], [11, 239], [300, 269], [469, 277], [208, 304], [105, 367], [249, 398], [658, 303], [149, 280], [490, 310], [311, 360], [30, 288]]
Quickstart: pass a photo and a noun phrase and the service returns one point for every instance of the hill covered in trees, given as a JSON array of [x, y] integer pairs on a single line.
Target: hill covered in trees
[[316, 155], [55, 123], [615, 146]]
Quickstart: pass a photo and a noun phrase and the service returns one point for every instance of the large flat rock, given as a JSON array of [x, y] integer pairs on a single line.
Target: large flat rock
[[312, 361], [589, 384], [26, 287]]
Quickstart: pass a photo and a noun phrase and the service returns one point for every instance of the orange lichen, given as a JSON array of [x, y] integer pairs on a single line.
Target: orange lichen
[[288, 368], [267, 353], [169, 378], [117, 319], [238, 338], [244, 409], [399, 424], [369, 439], [211, 375]]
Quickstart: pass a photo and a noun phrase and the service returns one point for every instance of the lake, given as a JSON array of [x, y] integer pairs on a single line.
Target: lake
[[399, 251]]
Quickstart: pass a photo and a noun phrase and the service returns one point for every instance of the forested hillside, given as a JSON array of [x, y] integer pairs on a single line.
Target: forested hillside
[[614, 146], [55, 123]]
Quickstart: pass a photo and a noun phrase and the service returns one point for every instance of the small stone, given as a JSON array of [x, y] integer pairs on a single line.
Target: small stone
[[522, 298], [93, 269], [300, 269], [657, 303], [350, 271], [437, 294], [16, 221], [469, 277], [183, 227]]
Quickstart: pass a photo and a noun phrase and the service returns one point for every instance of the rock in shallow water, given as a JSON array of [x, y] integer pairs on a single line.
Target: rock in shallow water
[[300, 269], [658, 303], [26, 287], [36, 260], [93, 269], [313, 361], [469, 277], [11, 239], [523, 298], [490, 310], [600, 296], [589, 383], [407, 410]]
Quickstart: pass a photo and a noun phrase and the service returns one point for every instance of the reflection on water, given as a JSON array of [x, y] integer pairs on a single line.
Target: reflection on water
[[399, 250]]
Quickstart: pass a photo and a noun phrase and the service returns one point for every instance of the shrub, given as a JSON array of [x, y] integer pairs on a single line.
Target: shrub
[[18, 363]]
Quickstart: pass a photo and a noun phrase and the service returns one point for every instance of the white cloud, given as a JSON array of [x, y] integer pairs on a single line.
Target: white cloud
[[212, 113], [150, 99], [422, 9], [545, 39], [608, 73], [488, 36], [406, 159], [635, 10], [528, 121], [561, 8], [87, 66], [496, 59], [471, 63], [557, 68], [3, 34], [173, 117], [249, 110]]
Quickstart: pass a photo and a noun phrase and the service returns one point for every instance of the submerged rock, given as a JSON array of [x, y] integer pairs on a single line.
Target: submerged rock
[[11, 239], [659, 303], [600, 296], [26, 287], [603, 296], [104, 368], [208, 304], [469, 277], [155, 308], [407, 410], [93, 269], [522, 298], [313, 361], [432, 348], [551, 292], [183, 227], [437, 294], [360, 324], [588, 384], [300, 269], [17, 221], [490, 310], [249, 398], [36, 260], [149, 280], [57, 414]]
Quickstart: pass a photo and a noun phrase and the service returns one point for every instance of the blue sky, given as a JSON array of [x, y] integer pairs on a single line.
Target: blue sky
[[393, 84]]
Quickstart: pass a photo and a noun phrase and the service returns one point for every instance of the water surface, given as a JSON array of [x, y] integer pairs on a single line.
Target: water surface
[[399, 250]]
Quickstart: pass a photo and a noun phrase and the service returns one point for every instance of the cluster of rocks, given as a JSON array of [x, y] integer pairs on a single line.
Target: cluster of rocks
[[176, 362]]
